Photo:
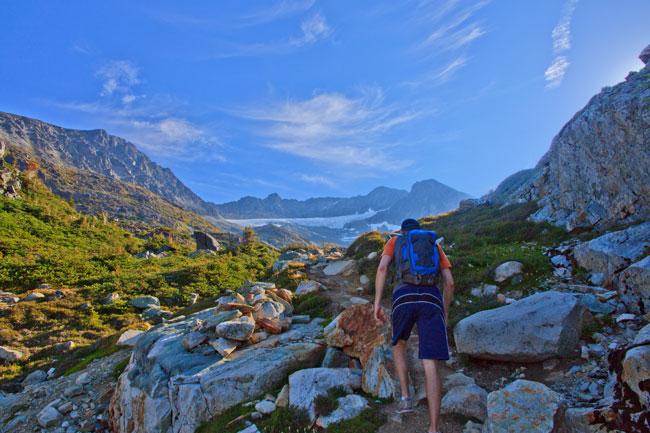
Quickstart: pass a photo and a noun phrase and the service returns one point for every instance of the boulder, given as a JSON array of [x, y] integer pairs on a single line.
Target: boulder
[[35, 377], [274, 326], [165, 389], [634, 287], [457, 379], [193, 339], [485, 290], [643, 337], [129, 337], [49, 417], [349, 407], [306, 385], [524, 406], [269, 310], [467, 400], [10, 355], [356, 332], [250, 429], [379, 375], [613, 252], [308, 287], [265, 407], [364, 280], [636, 373], [302, 318], [111, 298], [218, 317], [339, 267], [34, 296], [283, 397], [83, 379], [582, 420], [224, 346], [239, 329], [335, 358], [205, 241], [145, 302], [507, 270], [542, 326]]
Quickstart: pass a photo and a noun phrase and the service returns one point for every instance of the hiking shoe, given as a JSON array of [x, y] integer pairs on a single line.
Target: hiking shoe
[[405, 405]]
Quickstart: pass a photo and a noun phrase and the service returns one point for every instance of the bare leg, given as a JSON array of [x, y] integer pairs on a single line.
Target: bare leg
[[402, 367], [434, 391]]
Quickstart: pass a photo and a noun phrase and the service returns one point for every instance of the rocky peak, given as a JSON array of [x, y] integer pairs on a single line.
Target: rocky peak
[[596, 171]]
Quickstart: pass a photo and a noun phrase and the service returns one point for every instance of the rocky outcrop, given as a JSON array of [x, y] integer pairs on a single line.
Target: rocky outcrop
[[634, 286], [205, 241], [525, 406], [539, 327], [174, 380], [595, 173], [467, 400]]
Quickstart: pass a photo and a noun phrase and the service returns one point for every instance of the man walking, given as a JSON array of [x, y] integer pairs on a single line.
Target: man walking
[[417, 299]]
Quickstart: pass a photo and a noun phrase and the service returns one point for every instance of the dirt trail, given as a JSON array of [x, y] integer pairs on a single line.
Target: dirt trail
[[340, 289]]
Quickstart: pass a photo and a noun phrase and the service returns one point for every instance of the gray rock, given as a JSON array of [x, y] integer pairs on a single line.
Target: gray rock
[[306, 385], [507, 270], [204, 241], [643, 337], [349, 407], [239, 329], [308, 287], [129, 337], [153, 312], [167, 389], [10, 355], [199, 252], [73, 391], [594, 305], [111, 298], [467, 400], [524, 406], [379, 376], [457, 379], [224, 346], [545, 325], [303, 318], [364, 280], [283, 397], [265, 407], [219, 317], [485, 290], [83, 379], [49, 417], [250, 429], [335, 358], [613, 252], [145, 302], [578, 420], [339, 267], [34, 296], [35, 377], [269, 310], [634, 286], [636, 373], [560, 261], [193, 339]]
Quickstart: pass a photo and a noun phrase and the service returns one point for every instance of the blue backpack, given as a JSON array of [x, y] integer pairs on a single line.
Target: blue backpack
[[417, 258]]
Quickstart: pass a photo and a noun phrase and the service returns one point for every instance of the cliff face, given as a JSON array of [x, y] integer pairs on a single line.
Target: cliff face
[[98, 152], [596, 171]]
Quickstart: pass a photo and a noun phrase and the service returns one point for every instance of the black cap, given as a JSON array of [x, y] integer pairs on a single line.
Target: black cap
[[410, 224]]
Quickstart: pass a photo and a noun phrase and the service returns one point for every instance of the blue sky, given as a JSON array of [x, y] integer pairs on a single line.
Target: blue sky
[[320, 98]]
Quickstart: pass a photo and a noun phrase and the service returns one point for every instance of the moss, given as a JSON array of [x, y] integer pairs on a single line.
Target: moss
[[365, 244], [325, 404], [314, 304], [120, 366]]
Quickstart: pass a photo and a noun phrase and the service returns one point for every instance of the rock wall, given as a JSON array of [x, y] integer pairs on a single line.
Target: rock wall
[[596, 171]]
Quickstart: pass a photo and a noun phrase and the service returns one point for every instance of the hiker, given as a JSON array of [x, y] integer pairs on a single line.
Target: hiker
[[417, 299]]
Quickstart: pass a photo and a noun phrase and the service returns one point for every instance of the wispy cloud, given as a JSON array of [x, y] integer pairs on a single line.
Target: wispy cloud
[[561, 35], [276, 11], [314, 28], [453, 27], [440, 77], [334, 129], [145, 120]]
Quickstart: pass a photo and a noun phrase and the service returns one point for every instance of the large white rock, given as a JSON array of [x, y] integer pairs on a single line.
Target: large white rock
[[165, 389], [634, 286], [306, 385], [613, 252], [129, 337], [524, 406], [269, 310], [239, 329], [379, 376], [34, 377], [349, 407], [307, 287], [643, 336], [636, 372], [467, 400], [507, 270], [339, 267], [542, 326]]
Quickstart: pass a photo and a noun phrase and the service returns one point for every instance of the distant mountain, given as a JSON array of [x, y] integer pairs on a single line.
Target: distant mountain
[[427, 197], [274, 206], [595, 174], [96, 151]]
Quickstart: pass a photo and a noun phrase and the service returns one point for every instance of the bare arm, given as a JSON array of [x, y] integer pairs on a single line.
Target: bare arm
[[380, 282], [448, 290]]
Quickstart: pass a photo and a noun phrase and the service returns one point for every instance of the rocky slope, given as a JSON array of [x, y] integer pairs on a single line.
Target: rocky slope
[[97, 152], [596, 171]]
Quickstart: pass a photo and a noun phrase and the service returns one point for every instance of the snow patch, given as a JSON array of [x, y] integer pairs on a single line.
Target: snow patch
[[332, 222]]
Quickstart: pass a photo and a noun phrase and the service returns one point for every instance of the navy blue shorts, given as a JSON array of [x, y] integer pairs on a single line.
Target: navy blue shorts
[[422, 305]]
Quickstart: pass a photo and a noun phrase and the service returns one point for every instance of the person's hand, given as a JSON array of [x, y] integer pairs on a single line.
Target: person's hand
[[380, 315]]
